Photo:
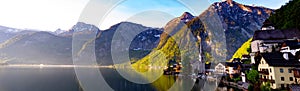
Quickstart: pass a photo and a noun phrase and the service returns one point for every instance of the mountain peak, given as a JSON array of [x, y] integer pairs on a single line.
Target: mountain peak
[[81, 26], [230, 2], [126, 23], [9, 30], [59, 31], [186, 16]]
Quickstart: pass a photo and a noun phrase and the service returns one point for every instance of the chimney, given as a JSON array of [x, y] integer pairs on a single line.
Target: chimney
[[286, 55]]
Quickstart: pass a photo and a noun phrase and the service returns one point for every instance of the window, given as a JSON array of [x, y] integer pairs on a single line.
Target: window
[[290, 71], [270, 70], [291, 79], [281, 70], [282, 85], [282, 78], [271, 77], [260, 76], [272, 84]]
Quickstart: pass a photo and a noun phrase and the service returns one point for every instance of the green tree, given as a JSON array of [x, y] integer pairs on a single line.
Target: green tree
[[251, 88], [287, 16], [265, 86], [252, 76], [237, 79]]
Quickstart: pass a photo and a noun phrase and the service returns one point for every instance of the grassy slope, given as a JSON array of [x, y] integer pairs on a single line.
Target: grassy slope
[[244, 49]]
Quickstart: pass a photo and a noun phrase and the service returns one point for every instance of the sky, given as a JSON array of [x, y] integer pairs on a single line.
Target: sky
[[49, 15]]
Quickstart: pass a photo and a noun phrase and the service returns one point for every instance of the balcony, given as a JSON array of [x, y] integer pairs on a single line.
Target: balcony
[[296, 73], [267, 80], [264, 72]]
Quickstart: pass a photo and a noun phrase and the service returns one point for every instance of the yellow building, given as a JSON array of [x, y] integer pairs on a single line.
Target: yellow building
[[276, 68]]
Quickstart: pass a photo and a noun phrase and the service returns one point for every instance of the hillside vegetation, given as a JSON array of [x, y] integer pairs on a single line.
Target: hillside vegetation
[[287, 16], [244, 49]]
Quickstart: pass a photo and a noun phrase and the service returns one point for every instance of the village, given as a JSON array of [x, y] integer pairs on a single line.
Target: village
[[273, 63]]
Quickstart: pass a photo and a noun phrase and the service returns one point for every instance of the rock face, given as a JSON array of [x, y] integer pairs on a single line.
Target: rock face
[[144, 41], [239, 21]]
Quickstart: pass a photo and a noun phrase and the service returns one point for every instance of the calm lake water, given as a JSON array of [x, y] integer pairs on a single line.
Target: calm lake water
[[64, 79]]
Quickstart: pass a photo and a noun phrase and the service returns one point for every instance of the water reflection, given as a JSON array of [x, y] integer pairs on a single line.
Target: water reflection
[[34, 79], [64, 79]]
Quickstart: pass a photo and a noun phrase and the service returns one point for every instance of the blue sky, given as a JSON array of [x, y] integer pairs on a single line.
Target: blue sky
[[152, 13], [49, 15]]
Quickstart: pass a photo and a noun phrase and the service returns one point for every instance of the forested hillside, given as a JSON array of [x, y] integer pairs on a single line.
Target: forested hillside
[[287, 16]]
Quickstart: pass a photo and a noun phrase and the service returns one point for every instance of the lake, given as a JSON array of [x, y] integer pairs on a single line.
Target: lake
[[64, 79]]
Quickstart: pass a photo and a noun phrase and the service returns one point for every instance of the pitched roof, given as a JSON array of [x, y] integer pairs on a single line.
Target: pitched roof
[[276, 34], [293, 44], [294, 87], [277, 60], [267, 23], [233, 64]]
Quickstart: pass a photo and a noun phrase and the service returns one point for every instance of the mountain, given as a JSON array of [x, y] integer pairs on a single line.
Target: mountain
[[59, 31], [219, 31], [6, 33], [37, 48], [144, 41], [56, 48], [239, 21], [43, 47], [186, 17], [78, 28]]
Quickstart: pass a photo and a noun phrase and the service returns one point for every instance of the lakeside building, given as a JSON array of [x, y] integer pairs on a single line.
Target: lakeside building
[[276, 68]]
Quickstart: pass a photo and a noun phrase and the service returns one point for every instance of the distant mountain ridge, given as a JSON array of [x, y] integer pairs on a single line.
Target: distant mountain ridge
[[39, 47], [6, 33], [238, 21]]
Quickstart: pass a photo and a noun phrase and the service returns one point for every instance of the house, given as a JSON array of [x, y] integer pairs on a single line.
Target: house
[[209, 68], [220, 69], [276, 68], [268, 25], [291, 46], [271, 40], [268, 41], [173, 68], [233, 69], [245, 57]]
